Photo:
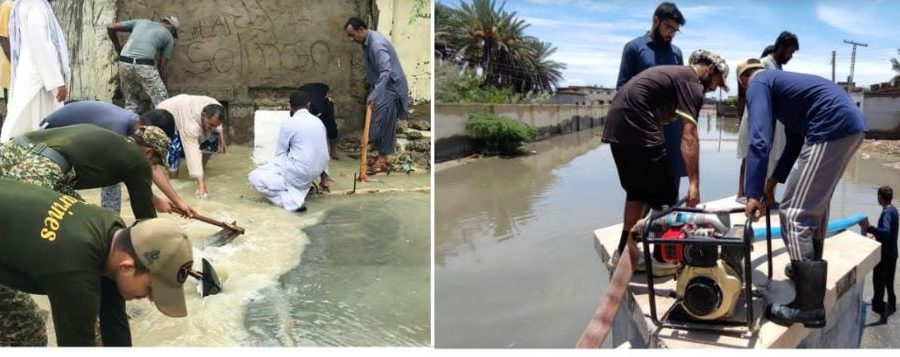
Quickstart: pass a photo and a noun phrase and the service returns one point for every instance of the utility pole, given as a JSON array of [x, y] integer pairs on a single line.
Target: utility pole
[[853, 60], [832, 66]]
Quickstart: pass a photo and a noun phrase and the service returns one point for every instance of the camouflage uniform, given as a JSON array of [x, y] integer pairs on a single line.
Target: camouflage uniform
[[133, 77], [111, 198], [17, 161], [21, 321]]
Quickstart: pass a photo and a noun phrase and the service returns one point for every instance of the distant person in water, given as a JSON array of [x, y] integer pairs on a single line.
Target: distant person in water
[[886, 234]]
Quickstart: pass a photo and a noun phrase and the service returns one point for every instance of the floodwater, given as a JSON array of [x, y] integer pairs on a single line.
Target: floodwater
[[354, 270], [515, 264]]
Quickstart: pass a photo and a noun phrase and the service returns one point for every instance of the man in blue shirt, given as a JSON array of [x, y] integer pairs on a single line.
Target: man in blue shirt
[[108, 116], [655, 48], [123, 122], [886, 234], [823, 129]]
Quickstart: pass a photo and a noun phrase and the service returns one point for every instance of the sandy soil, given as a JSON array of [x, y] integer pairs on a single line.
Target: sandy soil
[[888, 150]]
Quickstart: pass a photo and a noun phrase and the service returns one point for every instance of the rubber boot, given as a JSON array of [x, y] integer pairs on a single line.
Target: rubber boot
[[808, 306], [818, 247]]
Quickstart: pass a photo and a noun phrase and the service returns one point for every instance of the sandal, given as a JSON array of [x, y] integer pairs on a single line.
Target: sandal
[[375, 169]]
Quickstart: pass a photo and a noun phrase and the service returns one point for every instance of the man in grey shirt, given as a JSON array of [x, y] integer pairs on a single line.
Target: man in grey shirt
[[138, 64], [388, 91]]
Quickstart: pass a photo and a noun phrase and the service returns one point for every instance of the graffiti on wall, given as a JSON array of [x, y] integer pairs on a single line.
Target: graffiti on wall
[[240, 42]]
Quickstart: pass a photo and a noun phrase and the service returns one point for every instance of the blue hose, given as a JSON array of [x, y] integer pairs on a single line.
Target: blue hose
[[835, 226]]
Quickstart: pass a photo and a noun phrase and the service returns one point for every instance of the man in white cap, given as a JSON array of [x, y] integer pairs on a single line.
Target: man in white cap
[[144, 61], [88, 262]]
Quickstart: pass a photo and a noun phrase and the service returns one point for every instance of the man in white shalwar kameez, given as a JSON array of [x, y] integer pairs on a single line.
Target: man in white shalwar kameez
[[301, 155], [40, 67]]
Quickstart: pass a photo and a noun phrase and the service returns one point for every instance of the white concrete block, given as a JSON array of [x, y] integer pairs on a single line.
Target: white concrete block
[[266, 124]]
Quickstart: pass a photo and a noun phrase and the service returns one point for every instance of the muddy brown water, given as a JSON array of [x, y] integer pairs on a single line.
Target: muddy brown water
[[515, 264], [354, 270]]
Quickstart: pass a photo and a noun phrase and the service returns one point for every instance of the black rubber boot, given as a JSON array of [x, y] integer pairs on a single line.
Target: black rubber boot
[[808, 306], [818, 247]]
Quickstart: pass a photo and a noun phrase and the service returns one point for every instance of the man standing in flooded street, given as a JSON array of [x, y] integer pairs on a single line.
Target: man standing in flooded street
[[823, 129], [634, 131], [88, 263], [144, 61], [886, 234], [655, 48], [388, 91]]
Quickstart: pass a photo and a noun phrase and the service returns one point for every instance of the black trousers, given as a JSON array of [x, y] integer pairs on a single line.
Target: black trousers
[[883, 279]]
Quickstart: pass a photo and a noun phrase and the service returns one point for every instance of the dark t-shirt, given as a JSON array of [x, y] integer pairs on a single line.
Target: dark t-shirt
[[52, 244], [102, 158], [102, 114], [886, 233], [650, 100]]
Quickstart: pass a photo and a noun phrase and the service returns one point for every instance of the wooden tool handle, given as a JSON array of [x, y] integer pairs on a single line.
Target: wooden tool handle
[[211, 221], [364, 145]]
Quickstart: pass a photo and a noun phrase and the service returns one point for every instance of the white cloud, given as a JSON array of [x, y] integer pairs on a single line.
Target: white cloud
[[593, 6], [574, 26], [694, 12], [863, 21]]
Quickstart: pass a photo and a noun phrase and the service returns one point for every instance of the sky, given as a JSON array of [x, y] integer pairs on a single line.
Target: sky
[[589, 34]]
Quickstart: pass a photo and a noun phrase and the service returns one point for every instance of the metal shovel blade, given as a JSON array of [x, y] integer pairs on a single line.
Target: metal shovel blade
[[220, 238], [210, 282]]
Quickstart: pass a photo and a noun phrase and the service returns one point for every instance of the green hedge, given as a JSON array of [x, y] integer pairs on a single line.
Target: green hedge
[[499, 134]]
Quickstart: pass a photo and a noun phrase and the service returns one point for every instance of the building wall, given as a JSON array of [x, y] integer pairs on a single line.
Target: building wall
[[407, 24], [250, 54], [882, 116], [452, 140], [566, 98], [92, 58]]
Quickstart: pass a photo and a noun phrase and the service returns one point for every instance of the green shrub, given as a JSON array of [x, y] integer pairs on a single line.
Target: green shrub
[[456, 85], [499, 134]]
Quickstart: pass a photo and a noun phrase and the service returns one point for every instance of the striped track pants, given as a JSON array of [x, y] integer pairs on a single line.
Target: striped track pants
[[808, 191]]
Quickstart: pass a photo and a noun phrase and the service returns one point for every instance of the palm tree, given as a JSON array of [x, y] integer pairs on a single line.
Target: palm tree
[[484, 35], [895, 64], [545, 74]]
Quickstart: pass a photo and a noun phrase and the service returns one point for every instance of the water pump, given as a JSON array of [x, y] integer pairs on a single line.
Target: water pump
[[710, 278]]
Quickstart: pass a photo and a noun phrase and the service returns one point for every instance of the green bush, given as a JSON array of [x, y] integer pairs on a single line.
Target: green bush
[[499, 134], [456, 85]]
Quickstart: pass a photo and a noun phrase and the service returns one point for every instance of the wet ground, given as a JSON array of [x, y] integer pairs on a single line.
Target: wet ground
[[515, 264], [354, 270]]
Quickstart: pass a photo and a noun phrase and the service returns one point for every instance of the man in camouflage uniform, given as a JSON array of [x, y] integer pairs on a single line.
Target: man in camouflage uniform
[[56, 159], [144, 61]]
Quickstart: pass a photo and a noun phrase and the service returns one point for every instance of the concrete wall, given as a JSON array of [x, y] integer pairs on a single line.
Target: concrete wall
[[882, 116], [407, 24], [250, 54], [452, 140], [91, 53]]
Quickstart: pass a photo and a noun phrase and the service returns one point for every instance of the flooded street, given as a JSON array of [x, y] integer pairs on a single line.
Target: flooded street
[[351, 271], [515, 264]]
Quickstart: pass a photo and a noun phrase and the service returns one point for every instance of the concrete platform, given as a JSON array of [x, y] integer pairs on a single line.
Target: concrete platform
[[850, 258]]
